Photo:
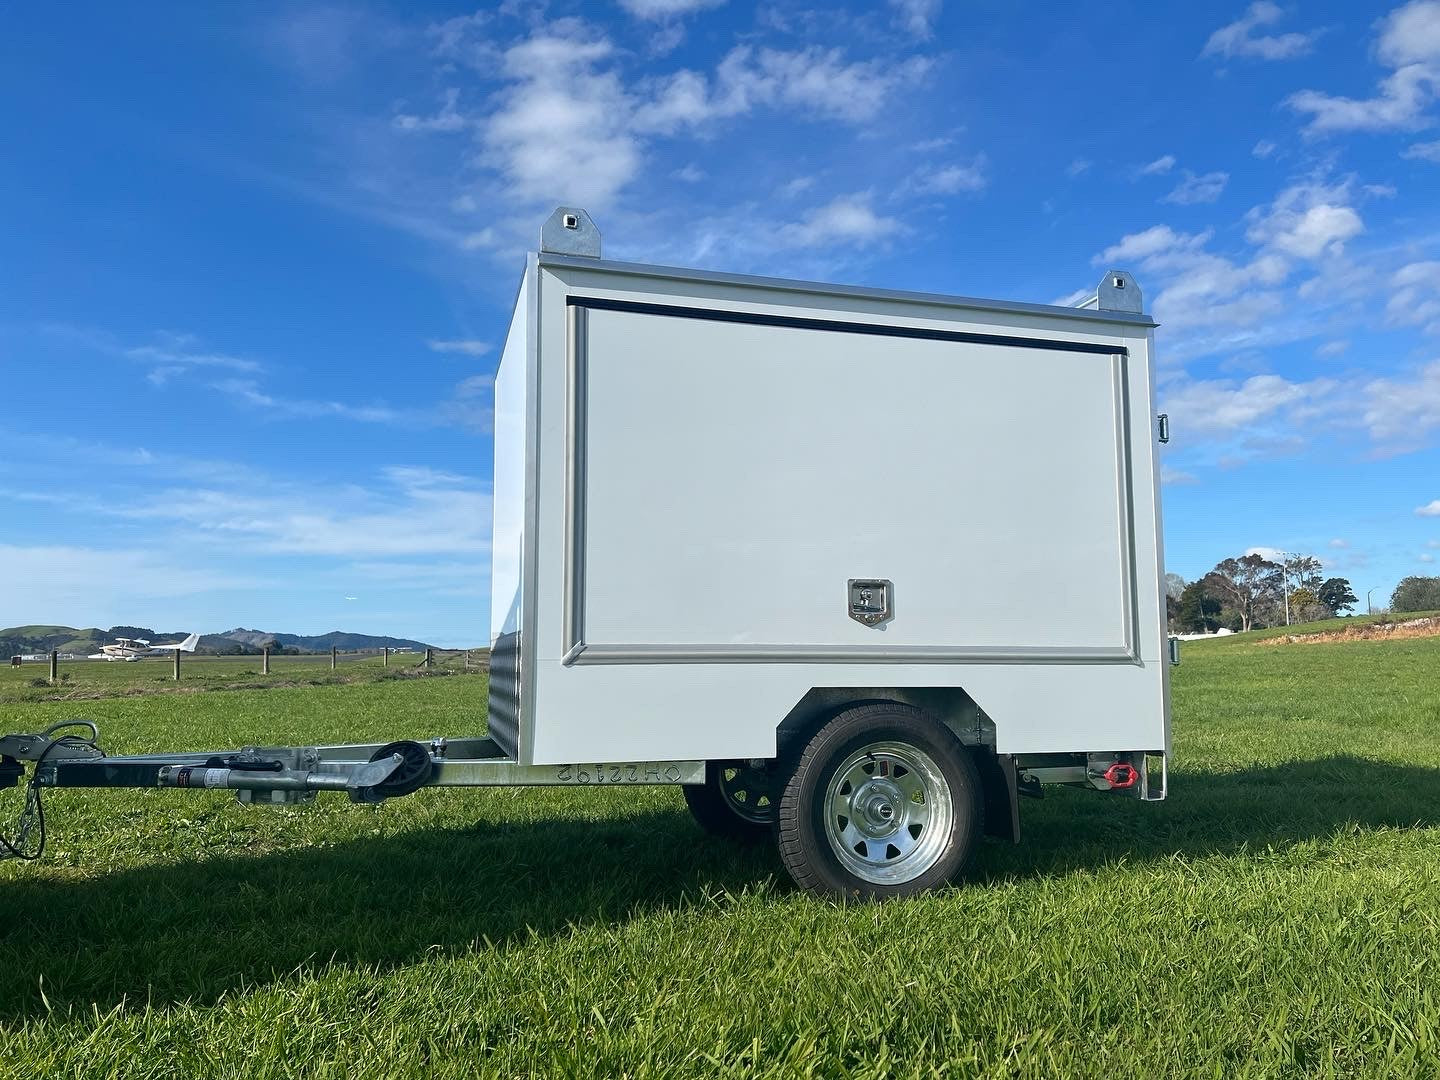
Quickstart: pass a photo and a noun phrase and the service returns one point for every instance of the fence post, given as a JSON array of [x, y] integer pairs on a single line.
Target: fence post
[[332, 657], [177, 664], [265, 661], [54, 666], [385, 656], [429, 658]]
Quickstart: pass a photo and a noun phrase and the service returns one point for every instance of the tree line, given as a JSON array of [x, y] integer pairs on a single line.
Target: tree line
[[1250, 591]]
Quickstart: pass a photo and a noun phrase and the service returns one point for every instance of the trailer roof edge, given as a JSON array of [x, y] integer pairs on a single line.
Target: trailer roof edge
[[675, 273]]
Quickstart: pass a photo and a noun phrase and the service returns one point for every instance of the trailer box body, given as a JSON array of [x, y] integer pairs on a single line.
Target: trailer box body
[[715, 495], [855, 569]]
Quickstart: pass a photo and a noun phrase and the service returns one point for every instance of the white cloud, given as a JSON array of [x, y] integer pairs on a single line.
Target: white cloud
[[560, 130], [85, 585], [917, 16], [1416, 300], [447, 119], [1078, 167], [689, 174], [1333, 348], [464, 346], [1429, 151], [1170, 475], [1071, 299], [815, 81], [1306, 220], [1198, 189], [1275, 555], [667, 9], [568, 127], [818, 79], [1426, 557], [248, 392], [181, 352], [1222, 405], [471, 405], [1264, 148], [1156, 240], [402, 511], [1411, 34], [474, 386], [1239, 38], [1402, 413], [1198, 287], [1399, 106], [1339, 543], [1409, 44], [482, 238], [949, 179], [326, 43], [1159, 167], [1430, 509], [848, 219]]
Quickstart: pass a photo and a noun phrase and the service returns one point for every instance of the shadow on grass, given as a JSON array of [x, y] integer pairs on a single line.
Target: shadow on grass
[[171, 933]]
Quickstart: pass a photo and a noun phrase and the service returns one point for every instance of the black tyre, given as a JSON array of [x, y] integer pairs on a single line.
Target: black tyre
[[735, 801], [880, 803]]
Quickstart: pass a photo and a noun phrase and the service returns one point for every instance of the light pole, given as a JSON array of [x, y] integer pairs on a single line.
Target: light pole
[[1369, 607]]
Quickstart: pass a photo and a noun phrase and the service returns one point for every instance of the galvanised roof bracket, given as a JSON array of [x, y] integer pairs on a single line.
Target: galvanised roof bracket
[[1117, 291], [569, 231]]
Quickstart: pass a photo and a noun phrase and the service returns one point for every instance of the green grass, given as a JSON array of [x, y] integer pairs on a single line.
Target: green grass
[[1278, 916], [82, 680]]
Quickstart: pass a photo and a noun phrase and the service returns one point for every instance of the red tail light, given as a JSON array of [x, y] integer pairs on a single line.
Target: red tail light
[[1122, 775]]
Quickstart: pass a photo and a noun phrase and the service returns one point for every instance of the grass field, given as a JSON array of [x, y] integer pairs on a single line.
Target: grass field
[[82, 680], [1278, 916]]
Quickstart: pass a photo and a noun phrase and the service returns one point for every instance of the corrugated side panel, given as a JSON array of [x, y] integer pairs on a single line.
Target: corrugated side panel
[[507, 546], [505, 692]]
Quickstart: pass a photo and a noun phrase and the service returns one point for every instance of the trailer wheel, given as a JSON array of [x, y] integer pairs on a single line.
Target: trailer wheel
[[880, 803], [734, 802]]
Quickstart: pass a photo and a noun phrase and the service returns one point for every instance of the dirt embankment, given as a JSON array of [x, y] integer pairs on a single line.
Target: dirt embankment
[[1385, 631]]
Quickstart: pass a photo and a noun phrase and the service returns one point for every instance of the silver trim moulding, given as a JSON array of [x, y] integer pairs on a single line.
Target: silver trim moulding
[[581, 653], [852, 292], [530, 555], [575, 650], [460, 773]]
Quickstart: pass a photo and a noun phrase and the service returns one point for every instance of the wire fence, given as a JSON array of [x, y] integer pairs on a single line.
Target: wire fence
[[267, 662]]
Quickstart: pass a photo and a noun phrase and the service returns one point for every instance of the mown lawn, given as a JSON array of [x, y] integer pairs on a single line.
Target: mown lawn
[[83, 680], [1278, 916]]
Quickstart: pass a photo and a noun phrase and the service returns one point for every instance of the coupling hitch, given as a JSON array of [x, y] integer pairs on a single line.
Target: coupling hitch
[[278, 775]]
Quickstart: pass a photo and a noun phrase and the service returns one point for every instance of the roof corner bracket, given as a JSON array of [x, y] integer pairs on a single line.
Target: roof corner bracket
[[569, 231]]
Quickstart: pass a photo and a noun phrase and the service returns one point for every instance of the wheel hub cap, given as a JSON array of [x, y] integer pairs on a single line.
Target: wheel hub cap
[[888, 813]]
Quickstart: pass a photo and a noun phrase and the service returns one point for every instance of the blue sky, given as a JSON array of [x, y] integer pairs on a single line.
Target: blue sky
[[258, 259]]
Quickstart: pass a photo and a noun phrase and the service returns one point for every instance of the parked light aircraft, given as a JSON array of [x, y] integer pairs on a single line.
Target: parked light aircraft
[[138, 648]]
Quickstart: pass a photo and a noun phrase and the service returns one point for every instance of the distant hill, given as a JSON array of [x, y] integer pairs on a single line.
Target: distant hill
[[337, 639], [41, 638]]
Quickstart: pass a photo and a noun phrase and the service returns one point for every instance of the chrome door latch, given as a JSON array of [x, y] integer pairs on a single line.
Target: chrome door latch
[[870, 600]]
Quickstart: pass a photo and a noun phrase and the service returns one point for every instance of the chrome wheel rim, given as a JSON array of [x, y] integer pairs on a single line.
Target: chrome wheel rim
[[888, 813], [746, 792]]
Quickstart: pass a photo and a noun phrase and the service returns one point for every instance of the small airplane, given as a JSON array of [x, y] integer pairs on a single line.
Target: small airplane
[[129, 649]]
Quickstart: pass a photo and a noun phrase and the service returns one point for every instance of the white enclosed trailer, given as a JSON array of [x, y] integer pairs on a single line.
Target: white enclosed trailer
[[856, 566]]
